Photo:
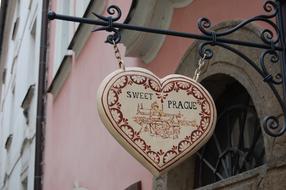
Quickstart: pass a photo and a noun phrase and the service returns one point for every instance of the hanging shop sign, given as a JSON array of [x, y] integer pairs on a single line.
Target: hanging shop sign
[[160, 122]]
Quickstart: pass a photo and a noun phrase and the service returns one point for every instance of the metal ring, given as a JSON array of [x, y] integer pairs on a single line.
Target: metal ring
[[121, 65]]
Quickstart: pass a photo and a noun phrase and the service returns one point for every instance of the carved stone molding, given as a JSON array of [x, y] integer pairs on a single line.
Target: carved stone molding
[[83, 31], [160, 183], [149, 13], [225, 62]]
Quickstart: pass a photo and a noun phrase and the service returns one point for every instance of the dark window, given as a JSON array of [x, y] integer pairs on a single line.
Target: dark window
[[135, 186], [237, 143], [15, 28]]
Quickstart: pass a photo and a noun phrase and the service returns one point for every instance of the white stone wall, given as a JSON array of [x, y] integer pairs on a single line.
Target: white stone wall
[[20, 59]]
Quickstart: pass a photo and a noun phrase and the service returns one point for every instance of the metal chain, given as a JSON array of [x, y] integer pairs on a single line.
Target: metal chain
[[118, 56], [202, 67]]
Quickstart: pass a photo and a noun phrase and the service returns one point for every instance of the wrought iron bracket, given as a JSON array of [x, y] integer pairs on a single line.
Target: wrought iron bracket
[[273, 44]]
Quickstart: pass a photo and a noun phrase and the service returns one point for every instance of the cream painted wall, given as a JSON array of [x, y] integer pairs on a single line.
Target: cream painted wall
[[21, 60]]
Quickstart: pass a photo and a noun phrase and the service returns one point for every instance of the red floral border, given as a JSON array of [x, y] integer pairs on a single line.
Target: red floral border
[[162, 93]]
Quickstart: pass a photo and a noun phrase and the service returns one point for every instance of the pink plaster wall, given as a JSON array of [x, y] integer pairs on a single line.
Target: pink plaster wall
[[77, 145], [185, 19]]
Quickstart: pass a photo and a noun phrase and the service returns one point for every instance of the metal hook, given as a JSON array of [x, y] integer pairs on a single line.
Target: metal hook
[[115, 37], [213, 37]]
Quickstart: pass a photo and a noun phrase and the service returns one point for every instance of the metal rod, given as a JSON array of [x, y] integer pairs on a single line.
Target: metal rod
[[210, 166], [281, 22], [53, 15], [275, 9]]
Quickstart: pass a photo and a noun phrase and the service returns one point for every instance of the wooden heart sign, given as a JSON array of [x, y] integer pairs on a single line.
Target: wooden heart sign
[[161, 122]]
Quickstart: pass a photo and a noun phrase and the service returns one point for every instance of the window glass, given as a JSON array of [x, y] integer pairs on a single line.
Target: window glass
[[63, 34], [64, 29], [237, 143]]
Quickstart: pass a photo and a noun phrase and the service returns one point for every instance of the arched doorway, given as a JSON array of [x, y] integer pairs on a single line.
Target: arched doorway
[[243, 99], [237, 143]]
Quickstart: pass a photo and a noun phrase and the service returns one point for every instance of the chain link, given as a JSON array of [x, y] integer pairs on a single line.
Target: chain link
[[202, 67], [118, 56]]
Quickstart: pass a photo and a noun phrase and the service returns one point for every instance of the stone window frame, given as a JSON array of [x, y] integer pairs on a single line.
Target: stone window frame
[[138, 44], [225, 62], [149, 13], [78, 39]]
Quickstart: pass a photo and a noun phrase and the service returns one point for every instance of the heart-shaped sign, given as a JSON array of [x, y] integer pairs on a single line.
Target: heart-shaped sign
[[161, 122]]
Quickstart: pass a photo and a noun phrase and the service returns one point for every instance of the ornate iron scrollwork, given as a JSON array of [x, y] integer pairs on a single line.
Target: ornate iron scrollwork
[[111, 10], [270, 123], [273, 43], [267, 35]]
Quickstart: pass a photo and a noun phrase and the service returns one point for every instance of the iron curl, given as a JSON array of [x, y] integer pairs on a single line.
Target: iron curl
[[115, 14], [274, 58], [272, 126]]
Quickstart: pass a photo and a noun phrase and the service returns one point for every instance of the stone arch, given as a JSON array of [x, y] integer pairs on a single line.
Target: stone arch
[[226, 62]]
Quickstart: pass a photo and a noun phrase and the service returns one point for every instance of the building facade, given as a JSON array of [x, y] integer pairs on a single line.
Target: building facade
[[21, 23], [69, 147], [79, 150]]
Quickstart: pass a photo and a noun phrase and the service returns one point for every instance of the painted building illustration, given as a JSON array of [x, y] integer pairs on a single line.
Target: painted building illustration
[[156, 122]]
